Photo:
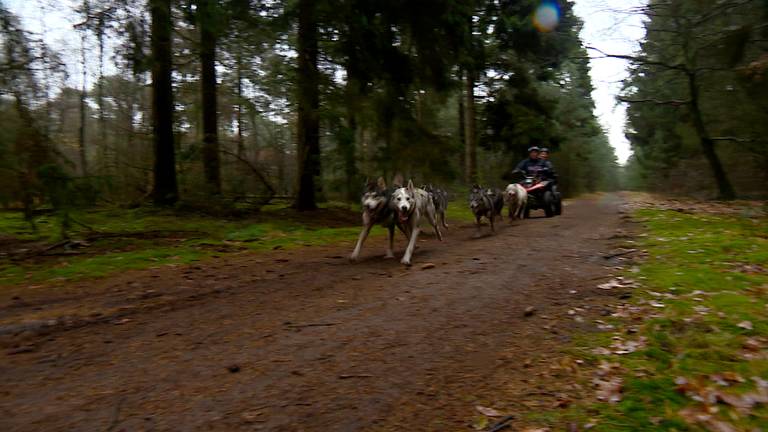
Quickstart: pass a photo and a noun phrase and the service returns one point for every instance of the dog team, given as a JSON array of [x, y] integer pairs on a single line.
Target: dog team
[[404, 207]]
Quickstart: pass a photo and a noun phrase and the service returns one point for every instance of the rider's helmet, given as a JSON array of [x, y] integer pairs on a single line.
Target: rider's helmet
[[544, 150], [533, 149]]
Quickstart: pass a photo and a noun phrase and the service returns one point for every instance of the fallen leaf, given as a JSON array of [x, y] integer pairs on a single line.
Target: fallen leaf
[[760, 383], [609, 390], [701, 310], [490, 412], [743, 403], [694, 416], [747, 325], [732, 377], [251, 416], [626, 347], [427, 266]]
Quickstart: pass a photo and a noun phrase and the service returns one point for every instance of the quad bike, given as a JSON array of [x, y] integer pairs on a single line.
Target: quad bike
[[542, 195]]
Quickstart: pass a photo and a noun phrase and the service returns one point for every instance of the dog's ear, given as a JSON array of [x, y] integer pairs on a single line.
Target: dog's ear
[[410, 186], [381, 183], [397, 180]]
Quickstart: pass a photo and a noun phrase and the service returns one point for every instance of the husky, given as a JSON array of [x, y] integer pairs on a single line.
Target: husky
[[410, 204], [516, 198], [485, 203], [376, 210], [440, 199], [498, 199]]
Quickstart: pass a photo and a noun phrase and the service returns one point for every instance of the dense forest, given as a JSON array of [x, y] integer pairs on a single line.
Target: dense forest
[[200, 218], [233, 102], [698, 96]]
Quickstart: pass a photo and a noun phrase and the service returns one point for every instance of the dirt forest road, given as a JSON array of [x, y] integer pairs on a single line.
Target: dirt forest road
[[302, 340]]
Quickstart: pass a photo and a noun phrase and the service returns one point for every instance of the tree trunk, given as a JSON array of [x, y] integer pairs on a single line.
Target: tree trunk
[[165, 190], [81, 132], [471, 130], [211, 165], [348, 141], [47, 88], [726, 191], [242, 174], [240, 137], [349, 151], [308, 133], [462, 132], [33, 152], [104, 146]]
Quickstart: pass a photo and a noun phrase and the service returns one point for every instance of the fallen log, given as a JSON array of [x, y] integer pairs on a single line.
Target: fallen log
[[97, 236]]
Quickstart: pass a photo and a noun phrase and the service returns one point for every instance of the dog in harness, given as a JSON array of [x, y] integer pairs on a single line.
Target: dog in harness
[[410, 205], [485, 203], [376, 210], [440, 199]]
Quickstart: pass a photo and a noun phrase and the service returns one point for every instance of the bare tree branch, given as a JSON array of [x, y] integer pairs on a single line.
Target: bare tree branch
[[255, 170], [734, 139], [641, 60], [673, 102]]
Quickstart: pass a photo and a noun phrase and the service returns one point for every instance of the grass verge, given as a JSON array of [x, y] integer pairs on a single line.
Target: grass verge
[[690, 350], [191, 237]]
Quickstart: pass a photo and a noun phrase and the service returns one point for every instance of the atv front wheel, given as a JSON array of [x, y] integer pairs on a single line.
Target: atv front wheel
[[549, 204]]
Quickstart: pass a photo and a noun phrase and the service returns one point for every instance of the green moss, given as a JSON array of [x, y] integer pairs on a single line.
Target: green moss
[[80, 268], [458, 210], [703, 262], [201, 236]]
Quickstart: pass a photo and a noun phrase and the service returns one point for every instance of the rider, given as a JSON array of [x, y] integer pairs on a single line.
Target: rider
[[532, 165], [537, 167], [550, 169], [550, 174]]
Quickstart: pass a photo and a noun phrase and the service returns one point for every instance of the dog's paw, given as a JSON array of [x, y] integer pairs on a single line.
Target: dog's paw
[[352, 258], [389, 255], [405, 262]]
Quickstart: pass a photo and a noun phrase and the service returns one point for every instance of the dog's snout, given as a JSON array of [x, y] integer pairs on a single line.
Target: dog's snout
[[403, 208]]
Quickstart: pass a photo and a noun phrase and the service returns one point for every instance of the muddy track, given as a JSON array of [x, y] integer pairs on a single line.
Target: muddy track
[[301, 340]]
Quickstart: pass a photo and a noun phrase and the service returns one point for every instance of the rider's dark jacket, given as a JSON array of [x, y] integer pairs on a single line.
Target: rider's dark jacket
[[530, 166], [533, 167], [549, 171]]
